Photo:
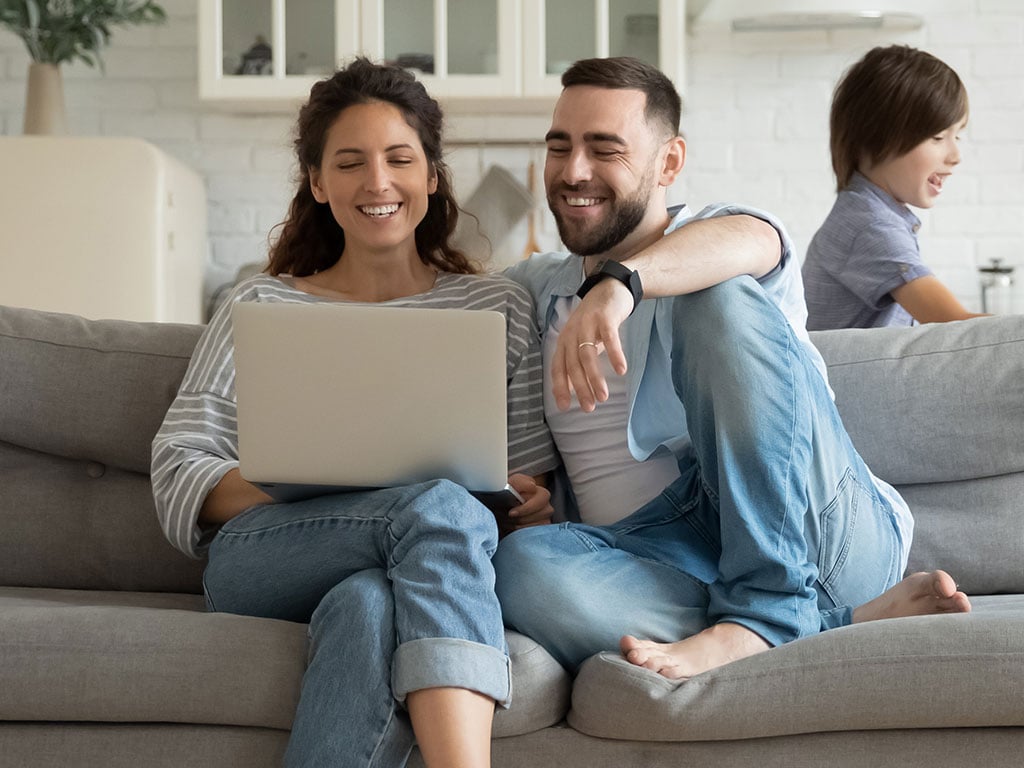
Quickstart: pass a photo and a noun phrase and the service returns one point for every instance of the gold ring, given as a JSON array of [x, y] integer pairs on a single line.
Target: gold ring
[[587, 344]]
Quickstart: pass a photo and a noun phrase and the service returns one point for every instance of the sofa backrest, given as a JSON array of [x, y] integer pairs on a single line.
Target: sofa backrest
[[80, 402], [938, 411]]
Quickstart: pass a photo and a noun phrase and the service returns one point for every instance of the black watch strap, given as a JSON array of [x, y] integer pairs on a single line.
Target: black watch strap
[[613, 269]]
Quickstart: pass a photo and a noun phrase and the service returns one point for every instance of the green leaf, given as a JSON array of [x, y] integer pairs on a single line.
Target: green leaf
[[58, 31]]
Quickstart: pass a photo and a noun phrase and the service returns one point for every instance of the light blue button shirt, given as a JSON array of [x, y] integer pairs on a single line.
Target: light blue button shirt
[[655, 410]]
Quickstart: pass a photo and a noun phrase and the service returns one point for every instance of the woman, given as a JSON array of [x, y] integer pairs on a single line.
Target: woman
[[397, 584]]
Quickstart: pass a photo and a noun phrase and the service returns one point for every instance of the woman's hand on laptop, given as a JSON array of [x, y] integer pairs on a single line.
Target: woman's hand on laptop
[[536, 509]]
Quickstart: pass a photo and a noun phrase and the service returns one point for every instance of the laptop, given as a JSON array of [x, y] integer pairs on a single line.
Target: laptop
[[340, 397]]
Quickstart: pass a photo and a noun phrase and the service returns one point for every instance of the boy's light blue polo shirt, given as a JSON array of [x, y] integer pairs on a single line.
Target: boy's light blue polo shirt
[[866, 248]]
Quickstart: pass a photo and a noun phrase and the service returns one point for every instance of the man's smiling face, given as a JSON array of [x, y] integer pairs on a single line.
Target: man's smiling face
[[600, 168]]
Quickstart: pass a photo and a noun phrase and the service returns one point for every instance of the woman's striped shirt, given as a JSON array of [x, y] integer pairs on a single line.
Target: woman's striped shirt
[[198, 441]]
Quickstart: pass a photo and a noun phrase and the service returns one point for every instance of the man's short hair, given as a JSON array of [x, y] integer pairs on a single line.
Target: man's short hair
[[663, 107], [887, 103]]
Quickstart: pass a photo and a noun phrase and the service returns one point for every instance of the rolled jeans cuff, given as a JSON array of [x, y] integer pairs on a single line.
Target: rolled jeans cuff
[[774, 634], [443, 662]]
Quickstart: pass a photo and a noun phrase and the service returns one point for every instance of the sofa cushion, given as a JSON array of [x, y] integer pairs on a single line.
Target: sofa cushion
[[90, 390], [541, 689], [972, 528], [102, 656], [70, 655], [140, 745], [938, 410], [933, 403], [76, 424], [78, 524], [920, 672]]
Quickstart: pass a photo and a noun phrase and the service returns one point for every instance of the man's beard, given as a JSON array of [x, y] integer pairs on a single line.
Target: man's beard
[[624, 217]]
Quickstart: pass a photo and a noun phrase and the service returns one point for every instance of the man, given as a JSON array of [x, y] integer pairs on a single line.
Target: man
[[700, 404]]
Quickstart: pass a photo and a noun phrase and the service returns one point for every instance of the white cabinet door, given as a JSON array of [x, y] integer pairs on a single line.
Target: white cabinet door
[[272, 51], [460, 48], [559, 32], [496, 55]]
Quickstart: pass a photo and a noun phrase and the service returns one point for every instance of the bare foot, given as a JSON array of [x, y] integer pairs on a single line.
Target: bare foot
[[920, 594], [710, 648]]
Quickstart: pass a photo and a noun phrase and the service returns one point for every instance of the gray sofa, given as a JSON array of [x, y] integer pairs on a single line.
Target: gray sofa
[[107, 657]]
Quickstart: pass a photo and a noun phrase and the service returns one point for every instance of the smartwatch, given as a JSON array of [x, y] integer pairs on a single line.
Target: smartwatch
[[613, 269]]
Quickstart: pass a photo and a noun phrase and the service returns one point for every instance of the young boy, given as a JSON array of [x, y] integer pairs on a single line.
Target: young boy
[[895, 125]]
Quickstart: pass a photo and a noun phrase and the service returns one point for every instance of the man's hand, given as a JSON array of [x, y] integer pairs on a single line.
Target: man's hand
[[592, 329], [536, 509]]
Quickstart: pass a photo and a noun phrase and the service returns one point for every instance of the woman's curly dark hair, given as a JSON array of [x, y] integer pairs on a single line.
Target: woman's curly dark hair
[[310, 239]]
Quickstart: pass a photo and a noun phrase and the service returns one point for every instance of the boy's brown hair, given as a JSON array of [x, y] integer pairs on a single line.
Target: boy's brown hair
[[889, 102]]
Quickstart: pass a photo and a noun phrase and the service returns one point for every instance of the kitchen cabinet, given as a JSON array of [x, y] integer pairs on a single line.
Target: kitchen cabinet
[[558, 32], [477, 55]]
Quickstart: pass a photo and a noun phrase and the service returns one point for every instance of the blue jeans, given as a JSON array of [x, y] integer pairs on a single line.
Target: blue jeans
[[398, 589], [774, 523]]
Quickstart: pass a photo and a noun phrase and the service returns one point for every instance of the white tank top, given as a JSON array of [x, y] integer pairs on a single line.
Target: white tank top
[[608, 482]]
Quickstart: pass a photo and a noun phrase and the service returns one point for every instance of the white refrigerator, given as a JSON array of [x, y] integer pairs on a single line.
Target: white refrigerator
[[101, 227]]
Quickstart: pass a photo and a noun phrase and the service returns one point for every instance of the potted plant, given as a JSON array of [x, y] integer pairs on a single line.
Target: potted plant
[[56, 31]]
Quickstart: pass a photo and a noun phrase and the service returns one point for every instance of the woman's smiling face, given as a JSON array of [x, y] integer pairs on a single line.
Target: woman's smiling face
[[375, 176]]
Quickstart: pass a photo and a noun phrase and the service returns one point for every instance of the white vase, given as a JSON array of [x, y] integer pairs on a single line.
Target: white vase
[[44, 101]]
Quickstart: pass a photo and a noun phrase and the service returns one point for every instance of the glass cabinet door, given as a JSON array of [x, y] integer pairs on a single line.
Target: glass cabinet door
[[559, 32], [458, 47], [309, 37], [272, 51], [570, 33], [247, 29], [250, 34], [301, 32], [267, 51], [407, 29], [633, 29], [473, 37]]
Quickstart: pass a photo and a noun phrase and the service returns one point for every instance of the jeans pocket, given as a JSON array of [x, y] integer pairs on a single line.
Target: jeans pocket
[[837, 524], [857, 544]]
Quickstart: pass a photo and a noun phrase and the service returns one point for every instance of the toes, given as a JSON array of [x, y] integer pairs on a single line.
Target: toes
[[636, 656], [943, 584], [628, 643], [957, 603], [657, 663], [653, 663], [666, 667]]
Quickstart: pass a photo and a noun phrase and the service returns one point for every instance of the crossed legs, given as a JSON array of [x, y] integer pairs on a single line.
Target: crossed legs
[[776, 516], [823, 474], [919, 594], [397, 587]]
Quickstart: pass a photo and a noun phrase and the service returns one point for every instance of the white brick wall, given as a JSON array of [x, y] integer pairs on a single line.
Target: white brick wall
[[756, 121], [772, 119]]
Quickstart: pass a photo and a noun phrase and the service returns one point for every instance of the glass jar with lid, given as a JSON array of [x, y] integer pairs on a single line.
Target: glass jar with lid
[[996, 288]]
